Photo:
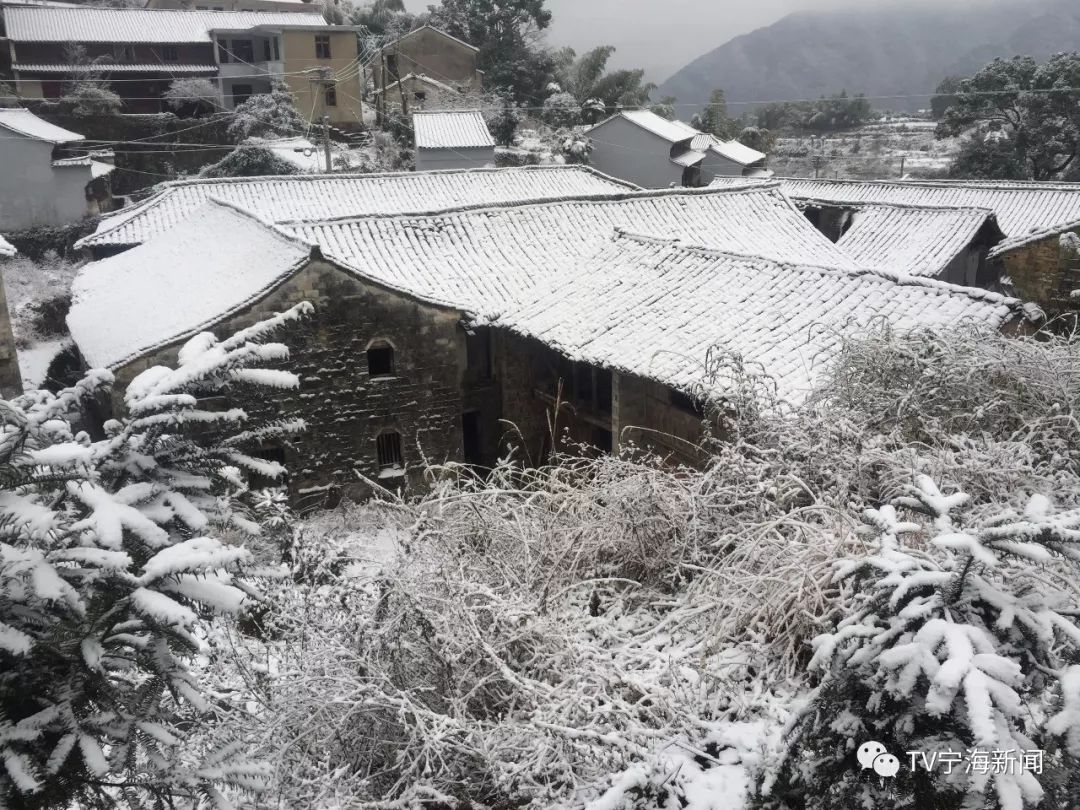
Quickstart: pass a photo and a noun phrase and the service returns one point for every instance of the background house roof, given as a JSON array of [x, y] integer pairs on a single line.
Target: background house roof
[[733, 150], [485, 260], [1020, 207], [26, 123], [457, 129], [912, 240], [174, 287], [166, 69], [281, 199], [673, 131], [439, 31], [92, 24], [654, 308]]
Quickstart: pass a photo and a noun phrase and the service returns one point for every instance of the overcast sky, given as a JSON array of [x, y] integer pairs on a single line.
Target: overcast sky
[[663, 35]]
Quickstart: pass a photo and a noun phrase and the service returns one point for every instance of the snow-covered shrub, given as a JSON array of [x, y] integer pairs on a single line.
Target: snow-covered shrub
[[385, 154], [195, 96], [250, 161], [39, 295], [569, 146], [959, 644], [109, 568], [267, 115], [561, 110], [90, 100]]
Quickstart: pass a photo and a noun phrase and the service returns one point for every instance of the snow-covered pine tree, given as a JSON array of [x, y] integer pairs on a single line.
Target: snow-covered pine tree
[[108, 569], [966, 644]]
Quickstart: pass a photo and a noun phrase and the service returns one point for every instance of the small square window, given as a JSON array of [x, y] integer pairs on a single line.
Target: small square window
[[388, 451], [380, 360], [322, 46], [331, 97]]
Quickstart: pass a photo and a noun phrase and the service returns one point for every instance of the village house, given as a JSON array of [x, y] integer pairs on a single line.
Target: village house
[[452, 336], [40, 182], [409, 65], [294, 6], [457, 139], [416, 91], [141, 51], [653, 152], [1031, 215], [325, 197]]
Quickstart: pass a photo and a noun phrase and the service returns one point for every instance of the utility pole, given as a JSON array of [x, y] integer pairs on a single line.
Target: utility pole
[[325, 81]]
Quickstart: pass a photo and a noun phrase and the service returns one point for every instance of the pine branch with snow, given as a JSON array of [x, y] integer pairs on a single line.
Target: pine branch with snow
[[959, 644], [111, 562]]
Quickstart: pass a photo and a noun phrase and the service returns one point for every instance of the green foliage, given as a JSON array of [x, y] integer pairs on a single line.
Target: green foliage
[[505, 122], [944, 96], [110, 572], [386, 18], [839, 111], [986, 158], [714, 118], [757, 138], [1034, 105], [250, 161], [267, 114], [588, 80], [561, 110], [508, 33], [665, 107]]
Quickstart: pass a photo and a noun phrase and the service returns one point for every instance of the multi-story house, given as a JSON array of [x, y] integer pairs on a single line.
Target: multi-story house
[[140, 52]]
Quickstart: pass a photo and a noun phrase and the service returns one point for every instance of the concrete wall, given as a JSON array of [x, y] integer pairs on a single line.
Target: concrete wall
[[429, 52], [431, 159], [32, 191], [345, 408], [298, 53], [627, 151], [715, 165]]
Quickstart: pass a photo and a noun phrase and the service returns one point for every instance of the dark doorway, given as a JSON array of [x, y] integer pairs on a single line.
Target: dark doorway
[[471, 438]]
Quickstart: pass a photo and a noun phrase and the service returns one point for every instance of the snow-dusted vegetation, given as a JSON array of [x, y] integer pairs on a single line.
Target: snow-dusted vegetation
[[894, 561]]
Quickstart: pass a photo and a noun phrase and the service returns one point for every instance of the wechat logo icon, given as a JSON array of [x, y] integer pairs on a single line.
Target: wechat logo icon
[[873, 755]]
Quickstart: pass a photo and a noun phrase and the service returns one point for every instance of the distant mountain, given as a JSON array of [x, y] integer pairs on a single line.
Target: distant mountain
[[890, 51]]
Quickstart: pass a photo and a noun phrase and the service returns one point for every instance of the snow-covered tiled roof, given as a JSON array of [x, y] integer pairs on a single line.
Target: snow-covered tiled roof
[[654, 308], [452, 129], [691, 157], [1020, 207], [737, 152], [282, 199], [26, 123], [914, 240], [484, 260], [7, 250], [168, 69], [204, 269], [94, 24], [1034, 236], [673, 131]]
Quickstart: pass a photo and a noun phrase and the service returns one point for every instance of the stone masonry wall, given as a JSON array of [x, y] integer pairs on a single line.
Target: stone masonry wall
[[346, 409], [1038, 272]]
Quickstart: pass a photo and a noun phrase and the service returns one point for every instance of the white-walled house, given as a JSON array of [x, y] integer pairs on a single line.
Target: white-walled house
[[653, 152], [453, 139], [36, 187]]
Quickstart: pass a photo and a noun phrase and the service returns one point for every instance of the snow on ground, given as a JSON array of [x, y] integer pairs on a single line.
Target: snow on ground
[[877, 150], [34, 361]]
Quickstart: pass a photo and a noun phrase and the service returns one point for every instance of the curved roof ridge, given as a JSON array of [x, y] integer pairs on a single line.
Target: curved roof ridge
[[898, 278], [474, 208]]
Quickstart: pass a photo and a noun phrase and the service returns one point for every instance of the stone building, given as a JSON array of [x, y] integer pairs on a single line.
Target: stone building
[[462, 335], [1043, 267]]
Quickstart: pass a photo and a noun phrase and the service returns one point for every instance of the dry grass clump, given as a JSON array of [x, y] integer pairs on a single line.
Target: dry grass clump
[[535, 632]]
